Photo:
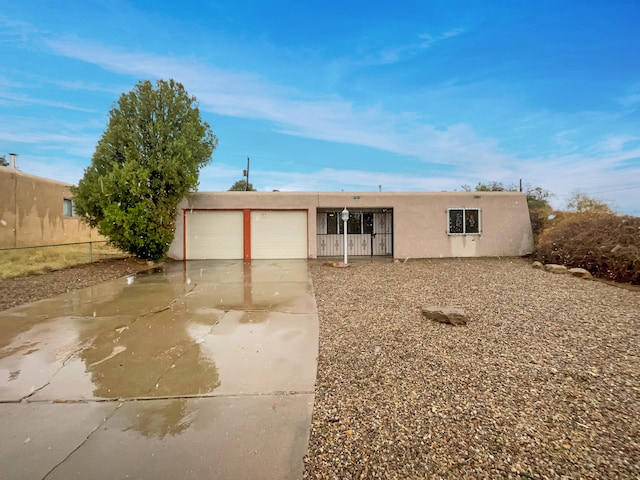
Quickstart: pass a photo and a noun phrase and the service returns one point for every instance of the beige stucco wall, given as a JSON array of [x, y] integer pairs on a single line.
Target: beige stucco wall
[[420, 220], [31, 212]]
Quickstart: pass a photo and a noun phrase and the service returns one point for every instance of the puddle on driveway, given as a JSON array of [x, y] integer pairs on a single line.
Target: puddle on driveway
[[190, 329], [151, 356], [159, 419]]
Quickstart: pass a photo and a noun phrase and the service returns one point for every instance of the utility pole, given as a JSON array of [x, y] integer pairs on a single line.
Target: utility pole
[[246, 174]]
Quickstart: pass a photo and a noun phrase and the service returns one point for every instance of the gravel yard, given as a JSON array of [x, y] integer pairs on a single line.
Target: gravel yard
[[543, 382], [30, 288]]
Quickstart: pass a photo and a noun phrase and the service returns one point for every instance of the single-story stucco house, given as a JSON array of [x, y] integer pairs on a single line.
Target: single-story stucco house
[[278, 225], [37, 211], [273, 225]]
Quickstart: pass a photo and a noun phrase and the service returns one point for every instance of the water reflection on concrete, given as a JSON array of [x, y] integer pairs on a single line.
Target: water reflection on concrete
[[159, 419], [165, 334], [243, 334]]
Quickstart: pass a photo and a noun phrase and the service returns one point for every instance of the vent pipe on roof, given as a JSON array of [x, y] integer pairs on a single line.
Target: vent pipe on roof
[[12, 160]]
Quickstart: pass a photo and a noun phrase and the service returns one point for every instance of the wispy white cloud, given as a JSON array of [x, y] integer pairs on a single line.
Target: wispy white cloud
[[218, 177], [617, 145], [603, 162], [428, 40], [246, 95], [20, 99], [472, 156], [618, 188], [16, 29], [630, 100], [391, 54], [49, 135], [54, 166]]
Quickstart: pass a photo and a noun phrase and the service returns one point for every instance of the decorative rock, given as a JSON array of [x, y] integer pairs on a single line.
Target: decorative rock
[[555, 268], [330, 263], [537, 264], [580, 272], [454, 316]]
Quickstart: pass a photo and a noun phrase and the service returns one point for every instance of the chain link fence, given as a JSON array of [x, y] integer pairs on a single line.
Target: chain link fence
[[32, 260]]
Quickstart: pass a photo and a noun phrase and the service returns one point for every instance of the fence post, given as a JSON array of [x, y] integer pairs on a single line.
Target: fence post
[[90, 252]]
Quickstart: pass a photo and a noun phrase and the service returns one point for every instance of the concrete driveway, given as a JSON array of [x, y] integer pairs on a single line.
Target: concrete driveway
[[203, 369]]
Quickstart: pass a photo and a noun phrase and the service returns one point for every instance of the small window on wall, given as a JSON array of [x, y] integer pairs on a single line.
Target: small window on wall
[[464, 221], [67, 208]]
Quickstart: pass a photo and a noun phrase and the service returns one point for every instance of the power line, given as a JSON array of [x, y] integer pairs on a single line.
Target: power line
[[635, 187]]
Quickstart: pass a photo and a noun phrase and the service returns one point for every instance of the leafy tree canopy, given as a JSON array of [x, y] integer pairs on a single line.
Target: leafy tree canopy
[[148, 158], [581, 202], [241, 186]]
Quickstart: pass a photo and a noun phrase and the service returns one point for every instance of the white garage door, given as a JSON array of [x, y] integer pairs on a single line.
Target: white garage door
[[278, 234], [214, 235]]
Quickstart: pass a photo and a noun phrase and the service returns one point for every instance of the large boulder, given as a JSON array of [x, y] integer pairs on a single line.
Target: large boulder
[[581, 272], [453, 316], [555, 268], [330, 263]]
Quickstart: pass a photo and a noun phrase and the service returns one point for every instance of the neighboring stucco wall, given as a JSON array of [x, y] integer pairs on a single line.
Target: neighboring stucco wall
[[31, 212], [420, 219]]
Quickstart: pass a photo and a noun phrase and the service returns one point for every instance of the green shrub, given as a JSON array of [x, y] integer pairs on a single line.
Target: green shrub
[[148, 158], [607, 245]]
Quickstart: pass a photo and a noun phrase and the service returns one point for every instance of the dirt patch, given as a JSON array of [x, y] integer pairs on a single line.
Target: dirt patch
[[543, 381], [30, 288]]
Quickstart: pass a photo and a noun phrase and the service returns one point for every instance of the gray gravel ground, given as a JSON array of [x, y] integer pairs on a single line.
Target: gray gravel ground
[[543, 382]]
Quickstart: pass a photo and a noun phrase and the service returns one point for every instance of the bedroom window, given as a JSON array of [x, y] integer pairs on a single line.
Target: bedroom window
[[464, 221]]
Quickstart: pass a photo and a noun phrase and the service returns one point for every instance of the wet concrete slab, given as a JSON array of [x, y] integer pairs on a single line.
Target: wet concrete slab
[[221, 438], [206, 330], [37, 437]]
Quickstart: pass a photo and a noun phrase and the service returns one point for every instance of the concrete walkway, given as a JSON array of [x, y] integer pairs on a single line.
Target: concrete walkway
[[204, 369]]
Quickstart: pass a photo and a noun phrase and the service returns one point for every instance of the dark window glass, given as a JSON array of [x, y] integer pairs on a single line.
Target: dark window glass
[[67, 207], [368, 223], [332, 222], [456, 221], [354, 225], [472, 221]]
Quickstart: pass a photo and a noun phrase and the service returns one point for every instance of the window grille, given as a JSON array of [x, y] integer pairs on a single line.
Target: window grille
[[464, 221]]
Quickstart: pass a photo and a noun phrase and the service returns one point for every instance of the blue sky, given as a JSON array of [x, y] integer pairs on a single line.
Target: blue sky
[[330, 96]]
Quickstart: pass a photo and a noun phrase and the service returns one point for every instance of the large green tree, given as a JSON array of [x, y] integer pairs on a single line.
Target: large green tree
[[148, 158]]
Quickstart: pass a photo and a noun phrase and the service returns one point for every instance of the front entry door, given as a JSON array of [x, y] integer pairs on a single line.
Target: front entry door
[[369, 233]]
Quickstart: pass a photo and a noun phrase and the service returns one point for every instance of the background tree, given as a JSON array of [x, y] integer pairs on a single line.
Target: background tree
[[490, 187], [537, 197], [581, 202], [240, 185], [537, 201], [148, 158]]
